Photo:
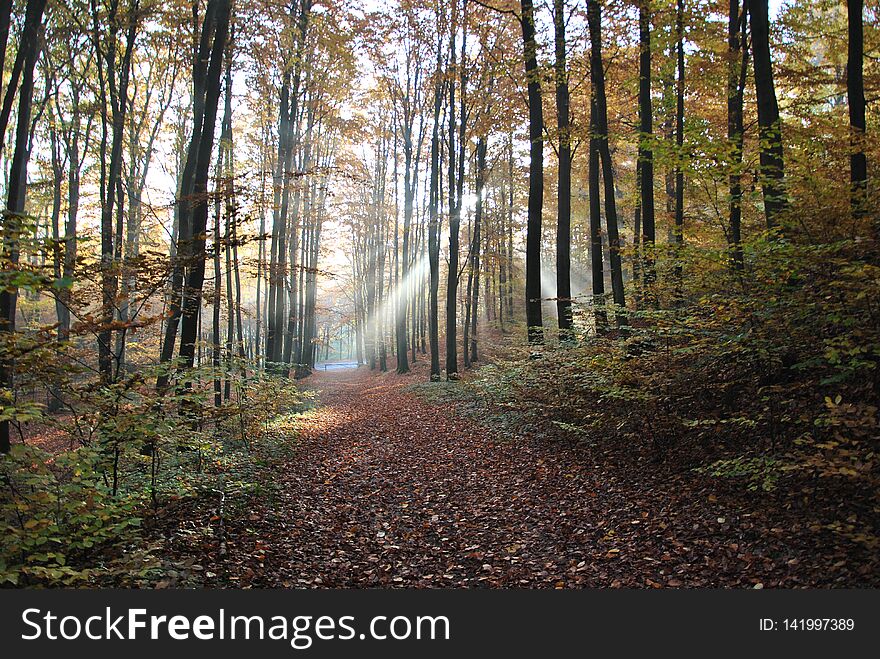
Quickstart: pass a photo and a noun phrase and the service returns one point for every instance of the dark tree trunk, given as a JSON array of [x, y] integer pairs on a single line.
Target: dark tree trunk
[[192, 296], [5, 21], [33, 10], [536, 175], [410, 172], [29, 46], [475, 246], [646, 155], [737, 53], [434, 229], [855, 93], [456, 182], [770, 128], [600, 132], [597, 265], [563, 188], [215, 324], [114, 78], [678, 233], [182, 248]]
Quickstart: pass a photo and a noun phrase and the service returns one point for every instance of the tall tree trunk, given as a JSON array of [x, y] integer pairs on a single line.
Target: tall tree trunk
[[181, 248], [17, 191], [678, 232], [113, 80], [646, 155], [55, 400], [408, 199], [509, 251], [770, 128], [563, 188], [434, 227], [261, 247], [5, 22], [199, 203], [600, 128], [597, 265], [536, 175], [456, 180], [215, 324], [738, 57], [855, 94], [482, 147], [33, 16]]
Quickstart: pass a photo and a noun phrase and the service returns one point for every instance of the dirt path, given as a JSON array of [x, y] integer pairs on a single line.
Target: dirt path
[[392, 490], [385, 489]]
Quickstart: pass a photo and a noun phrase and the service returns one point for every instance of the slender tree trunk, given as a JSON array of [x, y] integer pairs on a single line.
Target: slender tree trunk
[[597, 264], [738, 58], [5, 21], [456, 181], [434, 229], [215, 324], [195, 277], [770, 128], [536, 176], [678, 232], [17, 190], [33, 17], [615, 243], [482, 147], [646, 155], [182, 243], [646, 159], [408, 198], [855, 94], [563, 188], [114, 78]]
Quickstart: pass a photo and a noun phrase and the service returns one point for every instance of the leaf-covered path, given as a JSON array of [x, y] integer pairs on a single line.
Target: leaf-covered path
[[389, 489], [386, 489]]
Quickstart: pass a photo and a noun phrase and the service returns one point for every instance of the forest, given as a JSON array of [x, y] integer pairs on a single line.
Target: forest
[[439, 293]]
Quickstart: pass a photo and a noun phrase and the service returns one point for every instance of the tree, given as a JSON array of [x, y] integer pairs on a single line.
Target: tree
[[772, 174], [536, 175], [737, 64], [601, 151], [194, 199], [434, 222], [456, 165], [113, 81], [646, 154], [563, 188], [678, 232], [855, 94], [14, 215]]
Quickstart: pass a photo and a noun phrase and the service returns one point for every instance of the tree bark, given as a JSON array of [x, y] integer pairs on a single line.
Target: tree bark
[[737, 53], [769, 126], [563, 188], [199, 203], [536, 176], [855, 93], [29, 45], [600, 131], [434, 228], [646, 155]]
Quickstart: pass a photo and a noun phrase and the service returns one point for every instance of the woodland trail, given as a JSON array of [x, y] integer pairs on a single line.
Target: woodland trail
[[385, 489], [390, 490]]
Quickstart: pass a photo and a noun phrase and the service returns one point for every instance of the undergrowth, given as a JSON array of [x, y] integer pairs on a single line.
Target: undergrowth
[[73, 517], [765, 378]]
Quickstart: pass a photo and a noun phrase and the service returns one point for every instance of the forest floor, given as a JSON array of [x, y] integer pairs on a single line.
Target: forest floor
[[385, 488]]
